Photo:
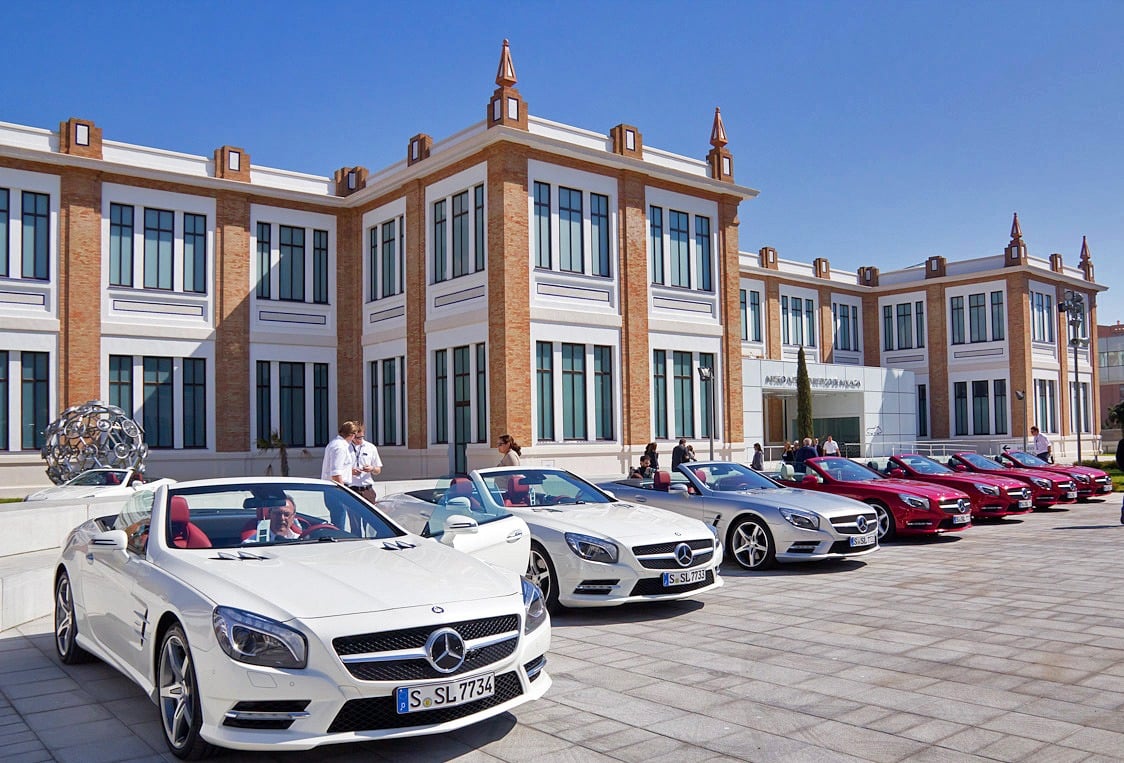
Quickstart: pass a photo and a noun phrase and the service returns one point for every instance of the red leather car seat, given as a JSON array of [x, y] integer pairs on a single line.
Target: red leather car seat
[[185, 534]]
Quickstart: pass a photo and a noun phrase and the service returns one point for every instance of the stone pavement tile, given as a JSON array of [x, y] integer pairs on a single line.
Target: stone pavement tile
[[115, 687], [620, 707], [865, 716], [874, 745], [996, 698], [1096, 741], [1063, 711], [520, 744], [91, 732], [29, 674], [945, 755], [697, 730], [66, 716], [892, 679], [661, 748], [759, 715], [611, 678], [753, 745], [971, 739], [130, 709], [17, 737], [149, 729], [1037, 727], [1052, 753], [931, 731], [40, 688], [54, 701], [574, 755], [29, 755], [1011, 748], [599, 728], [103, 751], [630, 737]]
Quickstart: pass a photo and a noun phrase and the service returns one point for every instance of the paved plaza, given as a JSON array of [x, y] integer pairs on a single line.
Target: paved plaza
[[1006, 643]]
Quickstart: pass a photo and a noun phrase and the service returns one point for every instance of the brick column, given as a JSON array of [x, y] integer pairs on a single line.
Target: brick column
[[80, 288], [940, 400], [417, 382], [734, 420], [349, 318], [772, 309], [636, 354], [1018, 344], [232, 323]]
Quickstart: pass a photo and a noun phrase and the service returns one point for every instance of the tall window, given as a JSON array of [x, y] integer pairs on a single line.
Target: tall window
[[810, 322], [120, 245], [571, 254], [706, 360], [683, 371], [744, 310], [35, 394], [1045, 403], [957, 320], [573, 392], [479, 227], [441, 396], [291, 264], [659, 393], [678, 223], [265, 260], [158, 403], [1079, 407], [919, 316], [481, 393], [960, 407], [977, 318], [290, 388], [655, 242], [1042, 317], [543, 258], [389, 392], [4, 391], [121, 382], [5, 216], [194, 403], [1000, 388], [887, 327], [786, 329], [36, 234], [981, 408], [462, 395], [922, 411], [702, 252], [998, 319], [603, 392], [320, 267], [544, 382], [194, 253], [321, 430], [460, 234], [905, 326], [389, 259], [264, 404], [599, 228], [159, 233], [439, 250]]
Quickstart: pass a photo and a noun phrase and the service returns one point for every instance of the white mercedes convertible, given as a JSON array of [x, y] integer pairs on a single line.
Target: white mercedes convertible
[[282, 614]]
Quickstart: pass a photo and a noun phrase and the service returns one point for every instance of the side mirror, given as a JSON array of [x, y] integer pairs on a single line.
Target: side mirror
[[899, 473], [110, 540], [678, 487], [459, 524], [809, 479], [960, 468]]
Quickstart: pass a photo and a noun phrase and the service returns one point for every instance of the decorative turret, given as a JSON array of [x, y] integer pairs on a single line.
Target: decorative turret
[[720, 159], [80, 137], [1015, 253], [507, 107], [232, 163], [348, 180], [1086, 262]]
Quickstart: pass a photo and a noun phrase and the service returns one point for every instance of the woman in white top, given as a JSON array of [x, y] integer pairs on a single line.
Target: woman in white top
[[509, 451]]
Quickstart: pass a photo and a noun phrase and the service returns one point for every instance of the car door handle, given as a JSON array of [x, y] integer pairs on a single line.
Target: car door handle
[[640, 499], [514, 536]]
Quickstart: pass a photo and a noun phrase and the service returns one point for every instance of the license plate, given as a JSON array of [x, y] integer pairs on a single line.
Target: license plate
[[1071, 494], [412, 699], [1106, 489], [962, 519], [1025, 504], [683, 577], [863, 540]]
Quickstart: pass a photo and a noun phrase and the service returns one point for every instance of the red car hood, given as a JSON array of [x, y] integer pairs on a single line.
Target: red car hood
[[928, 490]]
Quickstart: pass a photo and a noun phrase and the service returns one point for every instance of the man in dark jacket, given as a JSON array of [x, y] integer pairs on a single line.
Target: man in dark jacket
[[806, 451]]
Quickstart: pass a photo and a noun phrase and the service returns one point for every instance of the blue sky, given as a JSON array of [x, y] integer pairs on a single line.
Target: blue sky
[[879, 133]]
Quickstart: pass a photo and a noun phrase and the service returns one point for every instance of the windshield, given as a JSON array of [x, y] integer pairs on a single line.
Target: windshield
[[981, 462], [846, 470], [99, 478], [727, 478], [923, 465], [540, 487], [235, 515], [1025, 459]]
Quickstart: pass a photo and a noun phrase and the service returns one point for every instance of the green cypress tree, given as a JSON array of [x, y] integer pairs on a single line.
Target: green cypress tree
[[803, 398]]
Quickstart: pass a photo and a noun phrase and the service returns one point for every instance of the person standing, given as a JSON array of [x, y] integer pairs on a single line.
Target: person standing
[[367, 465], [830, 447], [789, 455], [1041, 445], [678, 454], [510, 452], [758, 462], [807, 450], [653, 457], [339, 463]]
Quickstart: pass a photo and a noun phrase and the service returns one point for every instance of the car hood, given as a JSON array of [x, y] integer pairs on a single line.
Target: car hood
[[1046, 474], [621, 521], [825, 504], [927, 490], [330, 579], [1067, 470], [75, 492], [966, 478]]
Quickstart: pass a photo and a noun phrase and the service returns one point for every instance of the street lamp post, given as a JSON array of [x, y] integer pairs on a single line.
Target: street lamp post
[[1074, 306], [706, 376], [1020, 394]]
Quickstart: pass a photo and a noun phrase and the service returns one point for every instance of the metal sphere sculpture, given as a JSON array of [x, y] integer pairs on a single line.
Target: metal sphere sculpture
[[91, 436]]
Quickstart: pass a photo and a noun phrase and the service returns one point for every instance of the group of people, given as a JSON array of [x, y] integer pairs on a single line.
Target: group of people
[[798, 451], [650, 459]]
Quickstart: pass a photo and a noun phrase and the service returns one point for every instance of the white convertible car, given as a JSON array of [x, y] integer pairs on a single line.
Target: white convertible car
[[98, 483], [282, 614], [587, 548]]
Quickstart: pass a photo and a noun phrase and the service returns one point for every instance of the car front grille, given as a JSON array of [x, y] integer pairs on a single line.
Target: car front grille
[[661, 556], [655, 586], [496, 638], [956, 506], [848, 524], [380, 713]]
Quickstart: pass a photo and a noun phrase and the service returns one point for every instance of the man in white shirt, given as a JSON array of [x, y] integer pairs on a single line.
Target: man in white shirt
[[339, 462], [1041, 445], [367, 465], [830, 447]]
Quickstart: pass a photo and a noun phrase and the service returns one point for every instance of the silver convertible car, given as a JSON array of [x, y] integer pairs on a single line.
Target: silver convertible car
[[760, 521], [282, 614]]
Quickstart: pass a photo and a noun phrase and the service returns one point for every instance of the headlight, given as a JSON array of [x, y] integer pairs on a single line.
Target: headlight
[[593, 549], [1042, 483], [986, 489], [1082, 478], [251, 638], [534, 605], [803, 519], [914, 501]]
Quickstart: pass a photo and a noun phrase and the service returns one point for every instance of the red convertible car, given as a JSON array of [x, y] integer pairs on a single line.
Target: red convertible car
[[1090, 482], [904, 507], [992, 496], [1049, 488]]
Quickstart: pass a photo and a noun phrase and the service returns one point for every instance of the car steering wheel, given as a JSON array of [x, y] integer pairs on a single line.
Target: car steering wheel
[[308, 531]]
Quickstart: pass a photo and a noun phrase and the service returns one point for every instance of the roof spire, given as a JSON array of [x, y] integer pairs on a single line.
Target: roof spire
[[718, 131], [505, 75], [1085, 256], [1016, 231]]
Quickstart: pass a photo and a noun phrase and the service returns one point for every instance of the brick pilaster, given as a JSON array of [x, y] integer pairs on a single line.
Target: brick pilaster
[[232, 318], [733, 429], [349, 317], [417, 381], [636, 353], [80, 288], [939, 398]]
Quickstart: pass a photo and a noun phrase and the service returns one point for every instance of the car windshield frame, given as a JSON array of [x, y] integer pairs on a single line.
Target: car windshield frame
[[845, 470], [980, 462], [729, 477], [545, 487], [84, 479], [931, 467], [1026, 460], [236, 515]]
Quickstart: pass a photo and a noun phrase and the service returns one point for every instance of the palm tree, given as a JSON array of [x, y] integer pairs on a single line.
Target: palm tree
[[275, 440]]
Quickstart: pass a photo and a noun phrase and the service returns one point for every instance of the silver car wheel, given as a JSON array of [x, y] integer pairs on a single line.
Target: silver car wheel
[[64, 617], [179, 698], [752, 545], [885, 522], [540, 571]]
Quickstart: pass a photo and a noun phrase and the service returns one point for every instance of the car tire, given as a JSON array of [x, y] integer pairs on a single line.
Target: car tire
[[66, 625], [540, 571], [181, 716], [886, 528], [751, 544]]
